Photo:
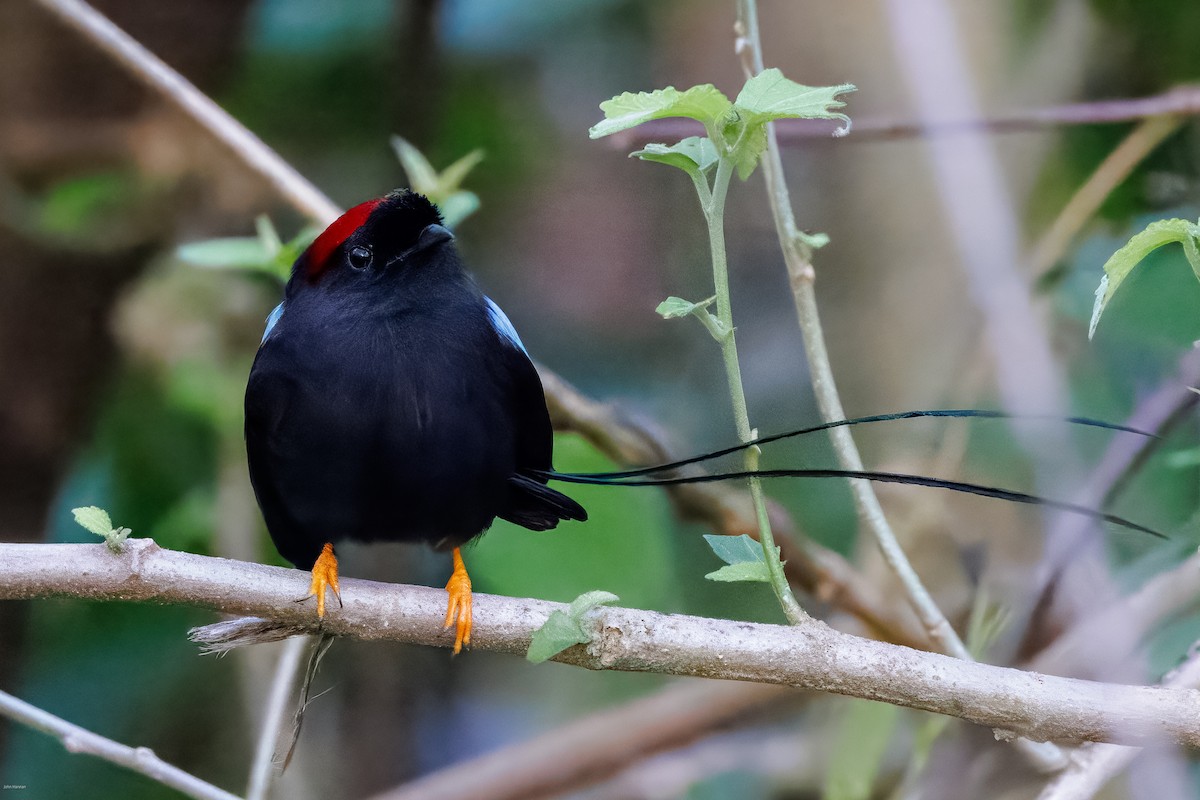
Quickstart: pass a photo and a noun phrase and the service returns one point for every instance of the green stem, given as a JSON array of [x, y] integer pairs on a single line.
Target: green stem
[[714, 215]]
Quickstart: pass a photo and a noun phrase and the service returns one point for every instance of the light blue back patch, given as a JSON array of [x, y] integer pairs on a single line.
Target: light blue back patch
[[502, 325], [272, 319]]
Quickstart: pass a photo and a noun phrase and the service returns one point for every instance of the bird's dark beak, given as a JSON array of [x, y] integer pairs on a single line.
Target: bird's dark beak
[[432, 235]]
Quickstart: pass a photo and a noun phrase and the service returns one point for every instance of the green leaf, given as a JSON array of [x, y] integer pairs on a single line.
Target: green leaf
[[440, 187], [770, 96], [421, 175], [1121, 263], [736, 549], [452, 176], [458, 207], [98, 522], [589, 600], [744, 571], [94, 519], [705, 103], [236, 253], [564, 629], [675, 307], [748, 149], [268, 236], [693, 154]]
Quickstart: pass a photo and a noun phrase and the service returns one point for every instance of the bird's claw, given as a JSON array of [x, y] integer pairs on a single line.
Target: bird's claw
[[458, 606], [324, 576]]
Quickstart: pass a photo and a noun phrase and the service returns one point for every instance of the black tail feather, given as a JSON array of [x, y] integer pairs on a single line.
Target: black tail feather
[[973, 413], [616, 479], [536, 506]]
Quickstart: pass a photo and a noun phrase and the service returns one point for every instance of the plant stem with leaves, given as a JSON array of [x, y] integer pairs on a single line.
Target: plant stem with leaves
[[713, 204], [737, 138]]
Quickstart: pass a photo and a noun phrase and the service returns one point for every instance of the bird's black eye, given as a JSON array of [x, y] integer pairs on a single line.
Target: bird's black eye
[[360, 257]]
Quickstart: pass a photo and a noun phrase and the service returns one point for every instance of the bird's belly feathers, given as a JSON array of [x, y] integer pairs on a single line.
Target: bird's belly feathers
[[368, 441]]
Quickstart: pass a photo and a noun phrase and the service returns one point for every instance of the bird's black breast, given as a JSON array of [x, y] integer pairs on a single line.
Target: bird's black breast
[[404, 426]]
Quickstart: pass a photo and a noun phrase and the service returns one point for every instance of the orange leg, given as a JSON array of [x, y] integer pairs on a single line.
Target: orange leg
[[458, 609], [324, 576]]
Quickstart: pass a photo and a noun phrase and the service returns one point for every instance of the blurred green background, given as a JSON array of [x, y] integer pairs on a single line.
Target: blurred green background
[[122, 369]]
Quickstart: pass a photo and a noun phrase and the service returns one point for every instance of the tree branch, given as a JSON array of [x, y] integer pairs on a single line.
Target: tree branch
[[1095, 764], [138, 759], [152, 71], [593, 748], [810, 656]]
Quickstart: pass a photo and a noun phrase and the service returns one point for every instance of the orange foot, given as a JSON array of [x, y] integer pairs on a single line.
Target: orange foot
[[458, 609], [324, 576]]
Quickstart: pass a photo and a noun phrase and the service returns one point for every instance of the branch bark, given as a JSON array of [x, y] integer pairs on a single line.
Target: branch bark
[[810, 656]]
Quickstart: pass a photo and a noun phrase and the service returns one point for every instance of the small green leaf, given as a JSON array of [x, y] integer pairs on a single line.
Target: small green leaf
[[814, 240], [736, 549], [557, 634], [564, 629], [98, 522], [770, 96], [236, 253], [743, 571], [704, 103], [674, 307], [695, 153], [458, 207], [589, 600], [94, 519], [748, 149], [440, 187], [268, 236], [421, 175], [452, 176], [1122, 262]]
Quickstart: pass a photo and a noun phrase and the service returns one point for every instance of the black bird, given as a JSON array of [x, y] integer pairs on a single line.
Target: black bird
[[390, 400]]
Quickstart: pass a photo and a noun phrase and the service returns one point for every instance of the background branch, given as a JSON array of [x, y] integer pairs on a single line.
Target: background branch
[[810, 656], [590, 749], [1180, 101], [138, 759], [1095, 764]]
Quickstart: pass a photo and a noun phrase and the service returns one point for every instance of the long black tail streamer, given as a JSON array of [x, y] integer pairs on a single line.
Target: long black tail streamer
[[972, 413], [879, 477]]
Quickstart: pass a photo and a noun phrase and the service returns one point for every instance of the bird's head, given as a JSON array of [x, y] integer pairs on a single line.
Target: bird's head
[[386, 236]]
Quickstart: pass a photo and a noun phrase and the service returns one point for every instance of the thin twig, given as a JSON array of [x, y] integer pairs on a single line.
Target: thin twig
[[1086, 201], [1093, 765], [1157, 412], [151, 70], [276, 711], [802, 275], [137, 759], [1180, 101], [810, 656], [578, 754]]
